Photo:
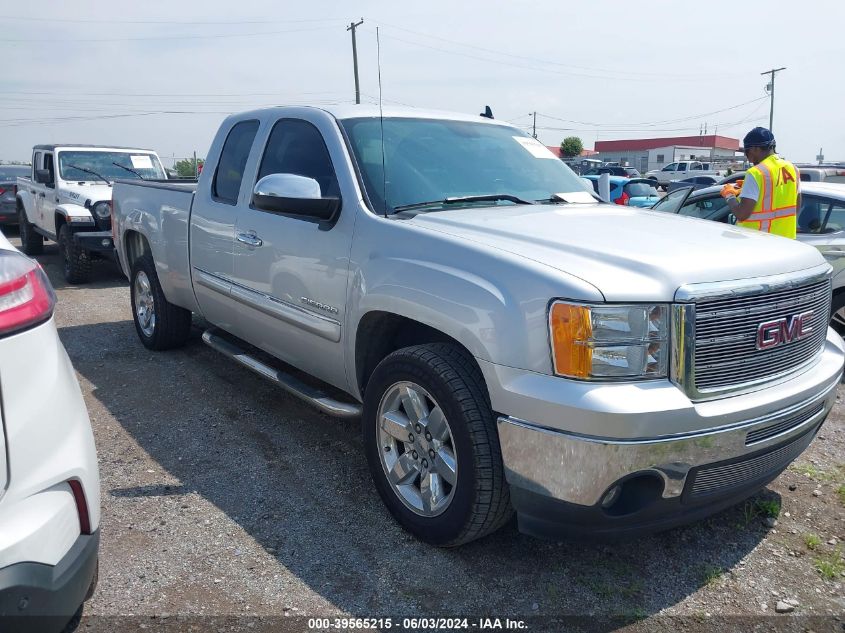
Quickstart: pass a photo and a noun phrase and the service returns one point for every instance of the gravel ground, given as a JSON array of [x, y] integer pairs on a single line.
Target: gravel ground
[[222, 496]]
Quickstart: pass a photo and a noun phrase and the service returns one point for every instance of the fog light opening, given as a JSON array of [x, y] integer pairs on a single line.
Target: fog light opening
[[632, 495]]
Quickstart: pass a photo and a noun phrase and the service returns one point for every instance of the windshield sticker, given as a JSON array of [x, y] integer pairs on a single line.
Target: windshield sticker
[[535, 147], [142, 162]]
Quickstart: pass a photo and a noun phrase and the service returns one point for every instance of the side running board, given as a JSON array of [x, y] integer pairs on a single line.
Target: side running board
[[292, 385]]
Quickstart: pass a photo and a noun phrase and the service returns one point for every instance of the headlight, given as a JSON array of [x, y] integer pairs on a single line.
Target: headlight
[[102, 210], [618, 341]]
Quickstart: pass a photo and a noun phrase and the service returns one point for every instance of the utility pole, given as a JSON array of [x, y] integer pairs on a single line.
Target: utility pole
[[534, 131], [771, 87], [196, 168], [352, 26]]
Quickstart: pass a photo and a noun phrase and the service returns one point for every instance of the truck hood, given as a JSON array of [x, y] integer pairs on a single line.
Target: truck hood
[[77, 194], [627, 254]]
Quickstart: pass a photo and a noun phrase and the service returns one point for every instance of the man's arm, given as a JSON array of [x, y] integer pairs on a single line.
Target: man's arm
[[742, 208]]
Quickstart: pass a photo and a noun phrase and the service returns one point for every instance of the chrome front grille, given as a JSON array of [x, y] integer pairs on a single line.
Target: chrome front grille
[[725, 353], [722, 479]]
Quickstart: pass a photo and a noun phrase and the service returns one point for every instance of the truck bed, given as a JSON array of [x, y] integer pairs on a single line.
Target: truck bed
[[160, 210]]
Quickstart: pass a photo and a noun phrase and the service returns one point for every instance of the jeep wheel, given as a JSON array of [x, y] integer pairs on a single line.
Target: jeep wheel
[[31, 242], [160, 324], [432, 445], [75, 259]]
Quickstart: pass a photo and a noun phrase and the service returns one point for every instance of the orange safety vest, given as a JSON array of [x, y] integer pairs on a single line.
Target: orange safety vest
[[775, 211]]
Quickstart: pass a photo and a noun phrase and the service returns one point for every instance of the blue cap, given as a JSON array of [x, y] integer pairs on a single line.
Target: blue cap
[[759, 137]]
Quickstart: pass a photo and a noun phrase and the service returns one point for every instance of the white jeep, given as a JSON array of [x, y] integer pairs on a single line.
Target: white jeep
[[67, 199]]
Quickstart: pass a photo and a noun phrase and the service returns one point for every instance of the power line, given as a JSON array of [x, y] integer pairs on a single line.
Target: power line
[[650, 123], [165, 94], [86, 40], [626, 72], [181, 22], [500, 62]]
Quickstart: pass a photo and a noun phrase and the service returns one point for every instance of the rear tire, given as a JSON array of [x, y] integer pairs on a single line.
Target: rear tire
[[75, 259], [465, 449], [32, 243], [160, 324]]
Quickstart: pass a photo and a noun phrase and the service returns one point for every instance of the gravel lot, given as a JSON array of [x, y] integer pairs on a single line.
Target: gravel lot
[[222, 496]]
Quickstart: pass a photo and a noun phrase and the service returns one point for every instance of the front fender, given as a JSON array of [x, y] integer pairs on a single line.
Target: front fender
[[493, 303], [75, 214]]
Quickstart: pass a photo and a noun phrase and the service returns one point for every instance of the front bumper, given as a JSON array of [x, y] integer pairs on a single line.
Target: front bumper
[[38, 597], [95, 240], [720, 451]]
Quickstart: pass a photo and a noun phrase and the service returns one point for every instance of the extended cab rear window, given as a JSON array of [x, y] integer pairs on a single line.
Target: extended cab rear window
[[230, 170]]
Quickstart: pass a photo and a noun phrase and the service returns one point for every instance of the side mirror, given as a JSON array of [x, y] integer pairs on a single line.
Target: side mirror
[[42, 176], [294, 195]]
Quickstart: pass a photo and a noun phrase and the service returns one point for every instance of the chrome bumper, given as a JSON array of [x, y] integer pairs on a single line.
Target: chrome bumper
[[580, 469]]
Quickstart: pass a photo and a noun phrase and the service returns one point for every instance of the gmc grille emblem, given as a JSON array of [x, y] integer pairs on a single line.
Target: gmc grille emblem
[[786, 330]]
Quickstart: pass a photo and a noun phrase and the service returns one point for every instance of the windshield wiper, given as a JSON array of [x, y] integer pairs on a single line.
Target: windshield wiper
[[89, 171], [129, 169], [491, 197]]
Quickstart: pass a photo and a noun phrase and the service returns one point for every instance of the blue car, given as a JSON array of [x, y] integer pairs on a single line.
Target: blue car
[[633, 192]]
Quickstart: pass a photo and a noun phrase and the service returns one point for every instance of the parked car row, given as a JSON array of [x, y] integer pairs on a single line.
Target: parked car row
[[633, 192], [9, 175], [821, 223], [682, 169]]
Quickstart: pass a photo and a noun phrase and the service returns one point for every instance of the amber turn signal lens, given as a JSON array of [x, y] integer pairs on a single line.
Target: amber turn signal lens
[[571, 329]]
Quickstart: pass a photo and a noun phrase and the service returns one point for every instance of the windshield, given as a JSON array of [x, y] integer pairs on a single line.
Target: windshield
[[431, 160], [640, 189], [146, 164], [11, 173]]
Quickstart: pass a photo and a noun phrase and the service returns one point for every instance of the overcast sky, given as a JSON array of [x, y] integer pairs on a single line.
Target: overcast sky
[[73, 71]]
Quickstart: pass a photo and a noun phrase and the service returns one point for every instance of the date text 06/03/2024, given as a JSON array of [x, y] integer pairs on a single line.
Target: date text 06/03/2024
[[415, 624]]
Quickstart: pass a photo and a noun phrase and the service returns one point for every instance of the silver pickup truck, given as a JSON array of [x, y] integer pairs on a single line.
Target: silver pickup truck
[[509, 342]]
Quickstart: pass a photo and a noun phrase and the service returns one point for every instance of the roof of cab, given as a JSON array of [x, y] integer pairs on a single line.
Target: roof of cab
[[357, 111]]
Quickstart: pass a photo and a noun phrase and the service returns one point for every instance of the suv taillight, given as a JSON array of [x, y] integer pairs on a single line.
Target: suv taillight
[[26, 296]]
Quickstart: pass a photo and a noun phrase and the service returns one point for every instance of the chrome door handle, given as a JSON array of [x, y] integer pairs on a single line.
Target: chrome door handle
[[250, 239], [833, 253]]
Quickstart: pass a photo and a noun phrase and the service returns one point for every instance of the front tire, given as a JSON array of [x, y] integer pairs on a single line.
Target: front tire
[[75, 259], [31, 242], [160, 324], [432, 446]]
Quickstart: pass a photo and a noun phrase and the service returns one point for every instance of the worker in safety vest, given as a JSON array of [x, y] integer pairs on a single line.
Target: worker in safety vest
[[770, 194]]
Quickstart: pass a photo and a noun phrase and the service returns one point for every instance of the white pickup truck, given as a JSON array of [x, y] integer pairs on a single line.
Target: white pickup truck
[[67, 199], [509, 342], [682, 169]]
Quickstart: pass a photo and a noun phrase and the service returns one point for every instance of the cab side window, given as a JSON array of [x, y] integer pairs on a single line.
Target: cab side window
[[297, 147], [226, 185], [37, 162], [812, 214], [48, 165], [835, 218]]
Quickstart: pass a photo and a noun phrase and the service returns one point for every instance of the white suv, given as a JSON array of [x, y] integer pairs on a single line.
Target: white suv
[[49, 486]]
